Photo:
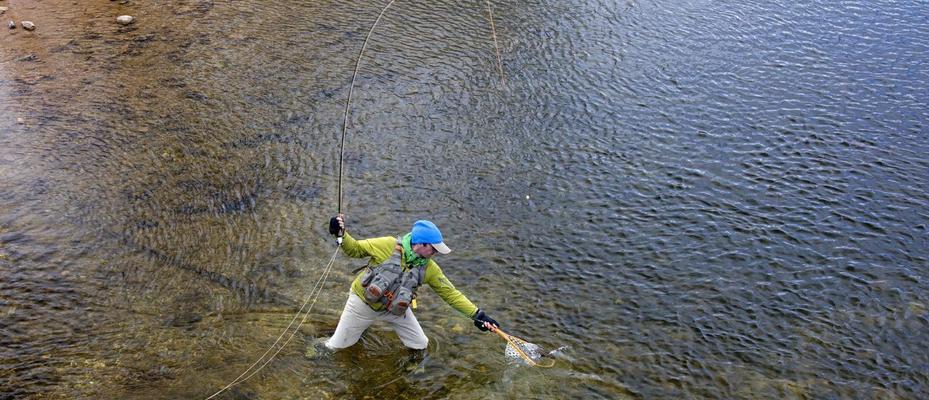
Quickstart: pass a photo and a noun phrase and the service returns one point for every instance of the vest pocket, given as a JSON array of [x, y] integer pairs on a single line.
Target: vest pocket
[[401, 301], [377, 284], [405, 293]]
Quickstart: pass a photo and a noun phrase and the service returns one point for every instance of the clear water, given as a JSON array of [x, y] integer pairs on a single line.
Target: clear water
[[701, 199]]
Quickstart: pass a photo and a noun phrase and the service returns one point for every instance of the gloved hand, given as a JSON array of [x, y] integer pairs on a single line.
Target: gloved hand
[[480, 318], [337, 225]]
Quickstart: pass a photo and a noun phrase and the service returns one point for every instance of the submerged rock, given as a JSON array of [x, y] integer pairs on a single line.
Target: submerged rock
[[124, 19], [183, 319], [12, 237], [12, 25], [28, 25], [3, 10]]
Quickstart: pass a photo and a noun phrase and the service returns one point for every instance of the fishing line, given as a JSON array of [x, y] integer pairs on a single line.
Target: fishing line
[[493, 30], [314, 293], [306, 315], [317, 288], [351, 87]]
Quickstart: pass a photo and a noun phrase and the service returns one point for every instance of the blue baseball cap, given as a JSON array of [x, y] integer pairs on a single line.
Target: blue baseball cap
[[426, 232]]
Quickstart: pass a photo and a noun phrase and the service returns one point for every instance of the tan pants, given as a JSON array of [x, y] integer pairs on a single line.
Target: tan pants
[[357, 316]]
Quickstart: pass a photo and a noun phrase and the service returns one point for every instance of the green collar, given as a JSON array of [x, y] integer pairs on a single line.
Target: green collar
[[410, 258]]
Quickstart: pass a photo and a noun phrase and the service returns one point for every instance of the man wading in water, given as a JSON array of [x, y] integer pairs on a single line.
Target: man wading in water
[[385, 289]]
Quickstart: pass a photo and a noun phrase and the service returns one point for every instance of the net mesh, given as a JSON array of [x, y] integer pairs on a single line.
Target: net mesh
[[519, 351], [530, 350]]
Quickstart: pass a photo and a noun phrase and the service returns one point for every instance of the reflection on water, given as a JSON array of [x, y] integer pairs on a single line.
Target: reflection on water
[[699, 200]]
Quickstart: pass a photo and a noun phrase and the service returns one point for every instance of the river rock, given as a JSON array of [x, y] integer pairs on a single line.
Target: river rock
[[184, 319], [124, 19], [28, 25], [12, 237], [3, 10], [12, 25]]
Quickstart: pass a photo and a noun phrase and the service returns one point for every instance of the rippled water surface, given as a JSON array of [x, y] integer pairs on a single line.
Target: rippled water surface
[[700, 199]]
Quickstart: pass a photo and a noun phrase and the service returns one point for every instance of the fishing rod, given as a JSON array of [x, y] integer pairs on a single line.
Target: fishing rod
[[317, 289], [251, 370], [348, 103]]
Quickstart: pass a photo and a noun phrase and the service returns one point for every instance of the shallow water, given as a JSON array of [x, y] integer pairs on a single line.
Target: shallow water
[[699, 199]]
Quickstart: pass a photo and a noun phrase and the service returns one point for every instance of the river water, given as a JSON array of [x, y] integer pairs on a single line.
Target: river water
[[700, 199]]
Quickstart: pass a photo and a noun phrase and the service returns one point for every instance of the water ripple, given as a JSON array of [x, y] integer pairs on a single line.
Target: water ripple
[[700, 199]]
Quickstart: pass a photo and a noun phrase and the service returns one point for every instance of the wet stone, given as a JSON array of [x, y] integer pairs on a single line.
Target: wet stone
[[242, 394], [196, 96], [146, 224], [144, 38], [12, 25], [28, 25], [183, 319], [12, 237], [124, 19]]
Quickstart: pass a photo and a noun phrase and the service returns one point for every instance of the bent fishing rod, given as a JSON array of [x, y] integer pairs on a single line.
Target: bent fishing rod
[[317, 289]]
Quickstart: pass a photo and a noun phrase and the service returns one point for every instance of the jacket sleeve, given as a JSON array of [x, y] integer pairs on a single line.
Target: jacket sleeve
[[444, 288], [378, 249]]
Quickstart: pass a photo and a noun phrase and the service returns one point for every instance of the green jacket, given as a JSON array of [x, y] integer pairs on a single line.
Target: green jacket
[[380, 249]]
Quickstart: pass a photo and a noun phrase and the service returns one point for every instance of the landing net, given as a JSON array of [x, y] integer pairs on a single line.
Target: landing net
[[519, 351]]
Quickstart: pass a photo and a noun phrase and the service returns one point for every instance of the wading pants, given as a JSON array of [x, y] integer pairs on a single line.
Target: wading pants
[[357, 316]]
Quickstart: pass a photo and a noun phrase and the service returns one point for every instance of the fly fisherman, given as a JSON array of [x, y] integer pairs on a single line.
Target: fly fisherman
[[385, 289]]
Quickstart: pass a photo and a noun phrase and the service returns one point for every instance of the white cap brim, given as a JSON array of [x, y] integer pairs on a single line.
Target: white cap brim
[[441, 248]]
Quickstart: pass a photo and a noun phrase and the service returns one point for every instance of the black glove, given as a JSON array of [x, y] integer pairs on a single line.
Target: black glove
[[334, 228], [480, 318]]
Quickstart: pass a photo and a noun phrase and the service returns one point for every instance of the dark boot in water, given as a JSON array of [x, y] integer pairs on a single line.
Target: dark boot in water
[[416, 361], [318, 349]]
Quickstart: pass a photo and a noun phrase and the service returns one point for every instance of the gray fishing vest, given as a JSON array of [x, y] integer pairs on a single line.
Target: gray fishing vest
[[392, 286]]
